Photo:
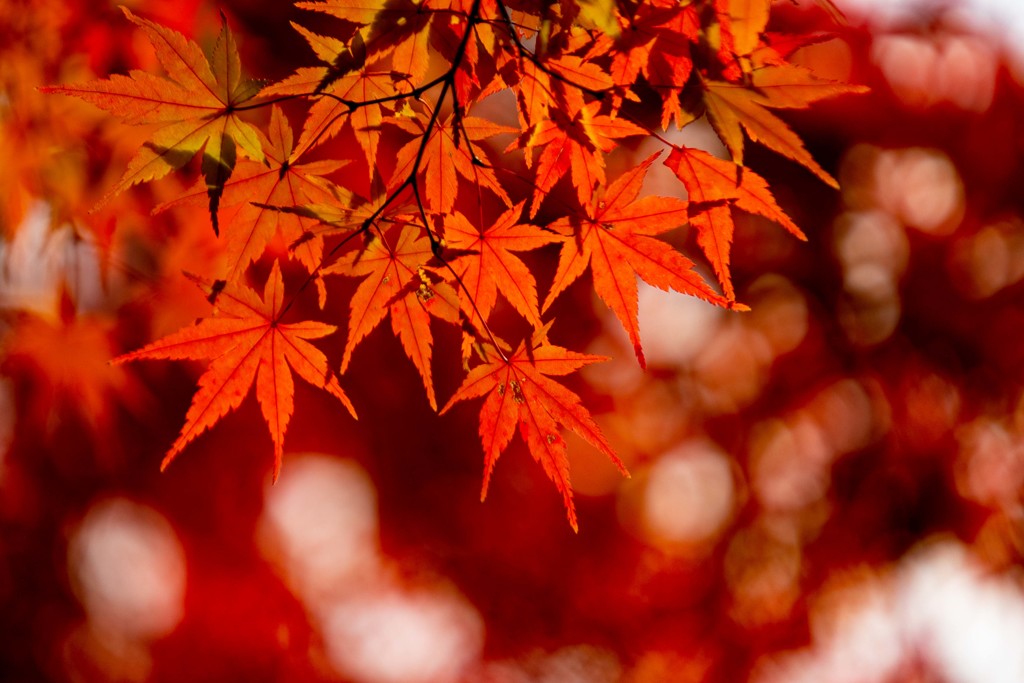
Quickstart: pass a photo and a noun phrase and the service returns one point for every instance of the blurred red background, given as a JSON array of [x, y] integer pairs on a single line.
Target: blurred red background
[[828, 488]]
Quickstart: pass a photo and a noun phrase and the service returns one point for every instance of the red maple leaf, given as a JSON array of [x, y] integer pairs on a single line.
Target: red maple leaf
[[495, 267], [446, 155], [731, 106], [576, 145], [338, 91], [396, 282], [714, 185], [519, 393], [615, 236], [247, 343]]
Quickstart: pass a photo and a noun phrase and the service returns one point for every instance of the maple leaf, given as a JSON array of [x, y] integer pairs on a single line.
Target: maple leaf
[[535, 92], [247, 342], [747, 20], [732, 105], [519, 393], [494, 267], [600, 13], [714, 185], [615, 237], [340, 89], [197, 109], [396, 283], [576, 145], [657, 46], [446, 155], [403, 29], [254, 188]]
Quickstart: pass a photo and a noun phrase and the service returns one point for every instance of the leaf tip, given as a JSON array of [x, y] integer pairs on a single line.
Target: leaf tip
[[128, 13], [166, 462], [640, 355], [487, 483]]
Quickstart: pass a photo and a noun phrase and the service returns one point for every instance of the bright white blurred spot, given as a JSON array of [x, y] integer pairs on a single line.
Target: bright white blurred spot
[[690, 494], [394, 636], [319, 525], [39, 259], [674, 327], [907, 62], [921, 187], [966, 72], [940, 612], [320, 528], [858, 637], [127, 568], [870, 281], [967, 623]]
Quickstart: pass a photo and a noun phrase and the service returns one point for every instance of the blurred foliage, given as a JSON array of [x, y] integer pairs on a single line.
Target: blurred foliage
[[795, 468]]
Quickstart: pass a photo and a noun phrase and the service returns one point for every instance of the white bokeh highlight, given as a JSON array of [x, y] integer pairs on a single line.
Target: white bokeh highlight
[[690, 494], [319, 526], [940, 611], [320, 529], [127, 567], [403, 636]]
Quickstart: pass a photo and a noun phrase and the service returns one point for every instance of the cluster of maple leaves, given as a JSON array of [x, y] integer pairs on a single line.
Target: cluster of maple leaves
[[437, 228]]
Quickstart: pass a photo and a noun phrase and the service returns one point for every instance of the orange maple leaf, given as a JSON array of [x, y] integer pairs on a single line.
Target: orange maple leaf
[[576, 145], [519, 393], [247, 343], [495, 267], [445, 156], [404, 29], [714, 185], [197, 109], [616, 237], [657, 46], [254, 188], [361, 85], [397, 283], [731, 106]]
